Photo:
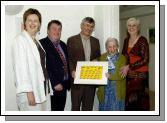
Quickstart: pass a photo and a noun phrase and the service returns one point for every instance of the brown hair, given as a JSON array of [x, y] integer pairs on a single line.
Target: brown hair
[[54, 22], [31, 11]]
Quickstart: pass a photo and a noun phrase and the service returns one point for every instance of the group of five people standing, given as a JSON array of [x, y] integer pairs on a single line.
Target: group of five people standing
[[47, 67]]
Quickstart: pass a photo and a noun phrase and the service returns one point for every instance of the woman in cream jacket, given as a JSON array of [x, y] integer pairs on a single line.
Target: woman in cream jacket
[[29, 66]]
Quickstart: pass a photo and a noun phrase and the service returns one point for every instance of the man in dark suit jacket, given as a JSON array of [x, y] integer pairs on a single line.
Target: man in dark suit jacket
[[57, 65], [83, 47]]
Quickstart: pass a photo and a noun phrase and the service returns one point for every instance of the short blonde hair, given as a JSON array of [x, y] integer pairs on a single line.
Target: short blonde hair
[[137, 21]]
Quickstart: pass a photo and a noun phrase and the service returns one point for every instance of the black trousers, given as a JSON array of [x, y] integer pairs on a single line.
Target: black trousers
[[58, 100]]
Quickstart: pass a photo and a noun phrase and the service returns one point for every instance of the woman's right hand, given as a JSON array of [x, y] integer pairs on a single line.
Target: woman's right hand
[[124, 70], [31, 98]]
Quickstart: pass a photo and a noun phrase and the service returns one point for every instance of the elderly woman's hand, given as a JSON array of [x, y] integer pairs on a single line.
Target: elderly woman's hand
[[124, 71], [107, 75]]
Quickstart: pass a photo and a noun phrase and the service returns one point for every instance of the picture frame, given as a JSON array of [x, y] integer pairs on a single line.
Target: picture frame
[[87, 73], [151, 35]]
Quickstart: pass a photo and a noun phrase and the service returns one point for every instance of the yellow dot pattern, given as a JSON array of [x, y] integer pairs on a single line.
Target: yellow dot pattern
[[91, 72]]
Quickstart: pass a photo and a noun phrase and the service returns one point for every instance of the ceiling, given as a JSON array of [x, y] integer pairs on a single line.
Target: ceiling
[[129, 7]]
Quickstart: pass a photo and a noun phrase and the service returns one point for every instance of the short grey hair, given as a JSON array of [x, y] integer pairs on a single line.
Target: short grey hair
[[110, 39], [89, 20]]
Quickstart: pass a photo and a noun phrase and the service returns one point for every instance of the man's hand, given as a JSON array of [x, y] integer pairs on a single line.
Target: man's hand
[[73, 74], [58, 87]]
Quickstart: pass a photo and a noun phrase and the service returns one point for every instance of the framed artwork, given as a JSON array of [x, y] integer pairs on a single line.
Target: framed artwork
[[91, 73], [151, 34]]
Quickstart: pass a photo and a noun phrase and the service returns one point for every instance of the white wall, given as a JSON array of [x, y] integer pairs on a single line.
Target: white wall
[[10, 31], [146, 14], [107, 23], [71, 17]]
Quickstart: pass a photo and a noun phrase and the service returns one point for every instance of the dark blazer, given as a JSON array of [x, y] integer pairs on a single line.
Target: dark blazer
[[54, 63], [76, 51]]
